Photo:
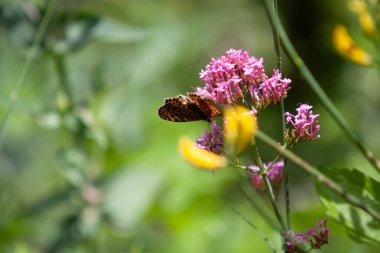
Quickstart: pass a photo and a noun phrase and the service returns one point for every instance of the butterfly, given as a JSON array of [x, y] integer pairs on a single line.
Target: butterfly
[[191, 107]]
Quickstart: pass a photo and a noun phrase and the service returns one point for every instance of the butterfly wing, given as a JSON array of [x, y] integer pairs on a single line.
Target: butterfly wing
[[207, 106], [180, 109], [188, 108]]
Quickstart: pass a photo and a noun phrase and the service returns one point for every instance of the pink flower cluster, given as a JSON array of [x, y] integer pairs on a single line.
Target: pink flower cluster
[[213, 140], [314, 238], [304, 125], [275, 175], [271, 91], [238, 78], [228, 79]]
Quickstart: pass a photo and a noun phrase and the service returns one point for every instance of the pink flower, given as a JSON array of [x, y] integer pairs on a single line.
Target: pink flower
[[275, 176], [272, 90], [213, 140], [303, 126], [228, 79], [314, 238]]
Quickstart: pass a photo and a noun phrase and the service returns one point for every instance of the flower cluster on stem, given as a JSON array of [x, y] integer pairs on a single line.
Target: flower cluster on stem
[[302, 126], [238, 85], [314, 238], [230, 77]]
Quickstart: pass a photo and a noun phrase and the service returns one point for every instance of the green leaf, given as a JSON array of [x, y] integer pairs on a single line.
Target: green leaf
[[360, 226]]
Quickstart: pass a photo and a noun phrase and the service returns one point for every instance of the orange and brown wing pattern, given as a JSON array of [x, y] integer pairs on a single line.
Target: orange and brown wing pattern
[[188, 108], [206, 105]]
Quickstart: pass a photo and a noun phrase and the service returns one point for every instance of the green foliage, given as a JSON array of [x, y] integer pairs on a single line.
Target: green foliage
[[359, 224]]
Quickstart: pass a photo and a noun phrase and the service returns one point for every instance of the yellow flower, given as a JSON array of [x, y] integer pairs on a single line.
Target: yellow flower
[[366, 21], [199, 157], [239, 128], [347, 47]]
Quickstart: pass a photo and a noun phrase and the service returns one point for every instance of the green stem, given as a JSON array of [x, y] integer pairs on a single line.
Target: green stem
[[269, 188], [20, 82], [276, 38], [316, 88], [261, 234], [258, 205], [287, 194], [320, 177], [273, 201], [62, 76]]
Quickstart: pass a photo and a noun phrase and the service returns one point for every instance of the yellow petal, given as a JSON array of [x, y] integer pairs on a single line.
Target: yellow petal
[[239, 128], [199, 157], [248, 127], [347, 47], [230, 128]]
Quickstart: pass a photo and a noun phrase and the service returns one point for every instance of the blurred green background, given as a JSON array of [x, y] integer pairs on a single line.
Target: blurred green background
[[88, 166]]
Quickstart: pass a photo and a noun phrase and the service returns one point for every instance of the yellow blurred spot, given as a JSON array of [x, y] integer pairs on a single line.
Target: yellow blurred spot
[[366, 22], [239, 128], [365, 19], [347, 47], [199, 157]]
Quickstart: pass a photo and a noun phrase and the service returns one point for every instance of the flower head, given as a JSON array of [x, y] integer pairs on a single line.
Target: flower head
[[275, 175], [314, 238], [211, 140], [271, 91], [228, 79], [302, 126], [319, 235]]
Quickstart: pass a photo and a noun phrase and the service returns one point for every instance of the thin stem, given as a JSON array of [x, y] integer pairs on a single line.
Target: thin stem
[[62, 76], [276, 38], [287, 194], [20, 82], [247, 168], [316, 88], [269, 188], [60, 66], [258, 206], [275, 160], [261, 234], [320, 177], [273, 201]]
